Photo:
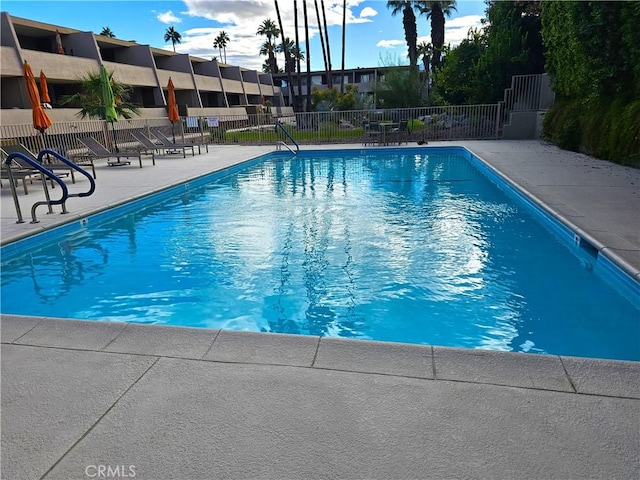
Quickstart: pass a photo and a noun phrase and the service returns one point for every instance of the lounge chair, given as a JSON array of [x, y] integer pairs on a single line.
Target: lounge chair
[[169, 145], [18, 173], [100, 151], [147, 143], [58, 168]]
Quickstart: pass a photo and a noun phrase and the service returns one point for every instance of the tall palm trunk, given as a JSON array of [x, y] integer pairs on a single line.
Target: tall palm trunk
[[410, 34], [344, 24], [437, 36], [324, 51], [287, 61], [307, 106], [298, 97], [326, 34]]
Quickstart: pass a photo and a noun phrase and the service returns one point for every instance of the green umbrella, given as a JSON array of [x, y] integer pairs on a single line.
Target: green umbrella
[[109, 101]]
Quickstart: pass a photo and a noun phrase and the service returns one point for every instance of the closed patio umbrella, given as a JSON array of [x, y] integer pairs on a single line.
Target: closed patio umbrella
[[40, 119], [109, 102], [44, 88], [174, 115]]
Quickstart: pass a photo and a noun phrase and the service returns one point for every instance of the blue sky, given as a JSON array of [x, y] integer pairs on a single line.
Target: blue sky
[[373, 36]]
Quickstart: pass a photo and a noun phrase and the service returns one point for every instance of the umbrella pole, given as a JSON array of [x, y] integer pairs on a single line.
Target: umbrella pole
[[115, 141], [173, 133]]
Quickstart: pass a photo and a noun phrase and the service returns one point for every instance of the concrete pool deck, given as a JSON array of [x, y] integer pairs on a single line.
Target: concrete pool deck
[[151, 402]]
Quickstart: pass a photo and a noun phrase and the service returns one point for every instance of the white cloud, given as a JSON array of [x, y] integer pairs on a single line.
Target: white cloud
[[457, 29], [389, 43], [466, 21], [368, 12], [168, 17], [242, 18]]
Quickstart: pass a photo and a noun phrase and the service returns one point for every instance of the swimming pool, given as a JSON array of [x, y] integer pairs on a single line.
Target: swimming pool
[[402, 245]]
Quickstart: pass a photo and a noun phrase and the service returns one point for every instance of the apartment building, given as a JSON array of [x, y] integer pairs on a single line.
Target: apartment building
[[366, 79], [203, 87]]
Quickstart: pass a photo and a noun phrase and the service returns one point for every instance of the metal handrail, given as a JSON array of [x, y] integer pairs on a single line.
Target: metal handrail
[[92, 182], [43, 171], [38, 166], [284, 130]]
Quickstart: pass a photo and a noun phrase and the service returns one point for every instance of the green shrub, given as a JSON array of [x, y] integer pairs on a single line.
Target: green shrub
[[607, 129]]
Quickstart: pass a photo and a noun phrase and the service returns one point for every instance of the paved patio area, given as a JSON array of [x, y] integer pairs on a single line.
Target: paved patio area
[[84, 399]]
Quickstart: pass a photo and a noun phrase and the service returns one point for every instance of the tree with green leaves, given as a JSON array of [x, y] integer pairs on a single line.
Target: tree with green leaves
[[222, 40], [456, 82], [512, 45], [269, 29], [173, 36], [106, 32], [436, 11], [409, 24], [400, 88], [89, 98], [331, 99]]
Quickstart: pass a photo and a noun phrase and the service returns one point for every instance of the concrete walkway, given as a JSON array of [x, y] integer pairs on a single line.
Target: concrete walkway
[[112, 400]]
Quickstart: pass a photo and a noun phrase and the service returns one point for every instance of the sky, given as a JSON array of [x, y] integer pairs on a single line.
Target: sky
[[373, 36]]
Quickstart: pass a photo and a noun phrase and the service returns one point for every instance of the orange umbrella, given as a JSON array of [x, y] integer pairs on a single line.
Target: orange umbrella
[[44, 88], [40, 119], [174, 115], [59, 48]]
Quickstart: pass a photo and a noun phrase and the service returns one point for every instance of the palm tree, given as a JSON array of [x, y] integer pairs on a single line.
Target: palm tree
[[286, 47], [269, 29], [89, 98], [307, 107], [409, 24], [436, 11], [324, 51], [298, 105], [344, 24], [291, 54], [326, 34], [269, 48], [216, 44], [172, 35], [425, 50], [106, 32], [222, 39]]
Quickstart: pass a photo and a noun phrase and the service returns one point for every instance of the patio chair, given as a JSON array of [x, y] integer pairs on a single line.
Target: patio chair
[[169, 145], [58, 168], [399, 134], [147, 143], [98, 150], [372, 133]]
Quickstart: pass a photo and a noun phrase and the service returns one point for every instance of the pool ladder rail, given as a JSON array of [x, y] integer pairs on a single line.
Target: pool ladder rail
[[279, 143], [44, 173]]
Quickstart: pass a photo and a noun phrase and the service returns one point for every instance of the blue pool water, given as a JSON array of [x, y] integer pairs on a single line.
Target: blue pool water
[[414, 246]]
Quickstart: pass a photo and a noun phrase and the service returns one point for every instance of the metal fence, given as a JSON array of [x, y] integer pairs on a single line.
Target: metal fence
[[527, 93], [473, 122]]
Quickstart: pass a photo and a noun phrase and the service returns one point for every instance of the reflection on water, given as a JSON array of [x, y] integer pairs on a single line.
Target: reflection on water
[[399, 247]]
